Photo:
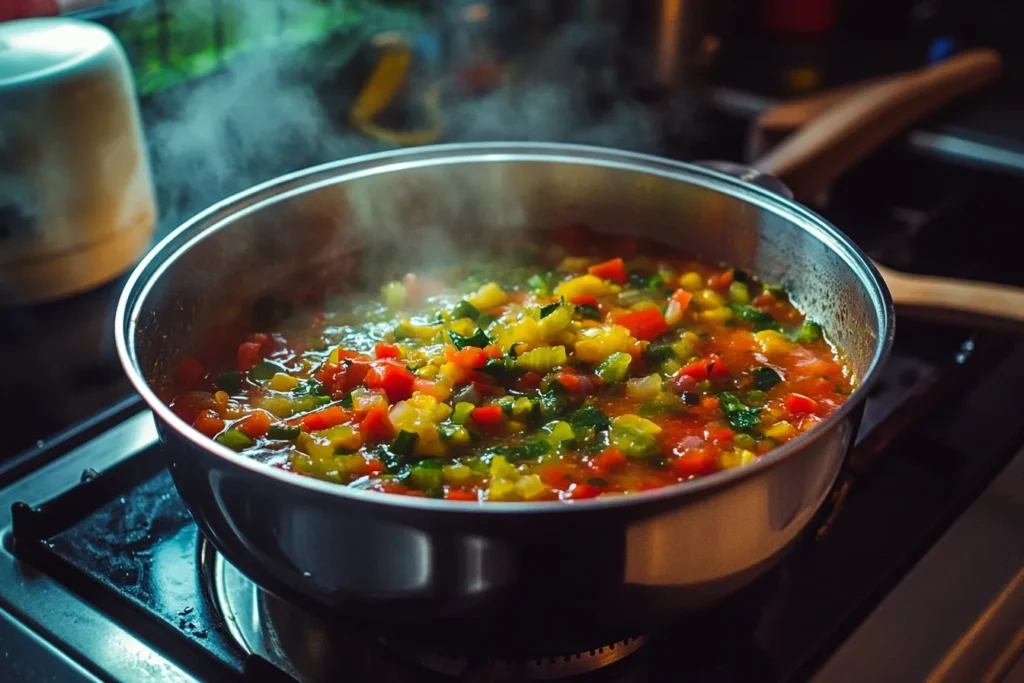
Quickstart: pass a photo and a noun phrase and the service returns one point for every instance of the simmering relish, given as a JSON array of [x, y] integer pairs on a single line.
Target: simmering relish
[[579, 368]]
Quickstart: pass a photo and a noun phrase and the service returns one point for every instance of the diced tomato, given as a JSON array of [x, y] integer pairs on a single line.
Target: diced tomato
[[682, 297], [488, 416], [711, 367], [255, 425], [609, 459], [720, 280], [581, 490], [695, 463], [396, 380], [571, 383], [646, 324], [376, 426], [249, 354], [340, 378], [456, 494], [798, 404], [470, 357], [484, 384], [374, 467], [763, 300], [556, 476], [614, 270], [265, 341], [387, 351], [208, 423], [584, 300], [720, 435], [529, 381], [326, 418], [190, 372]]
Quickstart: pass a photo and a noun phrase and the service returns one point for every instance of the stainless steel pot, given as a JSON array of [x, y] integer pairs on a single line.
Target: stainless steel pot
[[540, 576]]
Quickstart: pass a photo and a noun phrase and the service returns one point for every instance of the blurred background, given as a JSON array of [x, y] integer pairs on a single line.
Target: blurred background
[[235, 92]]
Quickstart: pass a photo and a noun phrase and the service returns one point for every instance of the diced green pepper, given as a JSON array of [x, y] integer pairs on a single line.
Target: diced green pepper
[[283, 432], [464, 309], [589, 417], [234, 440], [545, 311], [461, 412]]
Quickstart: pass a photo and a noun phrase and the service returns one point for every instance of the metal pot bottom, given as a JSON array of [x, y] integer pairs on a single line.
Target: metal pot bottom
[[311, 649]]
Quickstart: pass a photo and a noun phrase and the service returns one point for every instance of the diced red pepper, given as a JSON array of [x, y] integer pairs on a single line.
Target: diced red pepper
[[330, 416], [570, 383], [720, 280], [609, 459], [695, 463], [646, 324], [456, 494], [249, 354], [470, 357], [583, 300], [581, 490], [376, 426], [255, 425], [190, 372], [529, 381], [208, 423], [396, 380], [682, 297], [711, 367], [763, 300], [387, 351], [374, 467], [798, 404], [614, 270], [265, 341], [488, 416]]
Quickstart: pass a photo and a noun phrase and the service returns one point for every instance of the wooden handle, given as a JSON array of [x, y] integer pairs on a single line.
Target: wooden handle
[[962, 301], [811, 158]]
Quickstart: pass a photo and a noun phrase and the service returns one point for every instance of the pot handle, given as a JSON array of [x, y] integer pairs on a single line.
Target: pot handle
[[965, 302]]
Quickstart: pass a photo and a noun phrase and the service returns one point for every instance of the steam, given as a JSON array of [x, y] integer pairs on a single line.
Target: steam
[[271, 113]]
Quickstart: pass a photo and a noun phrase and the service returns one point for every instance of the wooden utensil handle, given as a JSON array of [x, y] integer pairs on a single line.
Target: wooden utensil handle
[[810, 159], [983, 303]]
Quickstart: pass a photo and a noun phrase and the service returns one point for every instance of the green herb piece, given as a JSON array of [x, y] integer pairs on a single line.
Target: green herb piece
[[478, 339], [588, 312], [545, 311], [264, 370], [283, 432], [404, 443], [760, 320], [346, 400], [551, 405], [656, 354], [464, 309], [740, 417], [521, 451], [501, 369], [765, 378], [235, 440], [589, 417], [230, 381]]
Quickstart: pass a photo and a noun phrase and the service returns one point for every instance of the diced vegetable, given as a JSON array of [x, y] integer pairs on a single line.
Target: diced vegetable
[[798, 404], [283, 432], [614, 270], [542, 359], [282, 382], [645, 324], [644, 388], [235, 440], [739, 416], [765, 377], [464, 309], [614, 368]]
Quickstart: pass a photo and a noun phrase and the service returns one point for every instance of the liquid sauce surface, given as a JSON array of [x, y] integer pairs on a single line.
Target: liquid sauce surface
[[573, 369]]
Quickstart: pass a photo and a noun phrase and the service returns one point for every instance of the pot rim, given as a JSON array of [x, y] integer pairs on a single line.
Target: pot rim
[[181, 238]]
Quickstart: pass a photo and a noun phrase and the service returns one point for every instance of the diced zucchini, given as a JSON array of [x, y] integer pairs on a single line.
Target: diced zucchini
[[614, 368]]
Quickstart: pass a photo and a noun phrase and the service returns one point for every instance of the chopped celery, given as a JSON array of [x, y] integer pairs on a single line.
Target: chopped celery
[[614, 368]]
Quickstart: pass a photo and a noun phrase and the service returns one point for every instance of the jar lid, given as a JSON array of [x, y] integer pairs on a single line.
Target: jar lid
[[32, 49]]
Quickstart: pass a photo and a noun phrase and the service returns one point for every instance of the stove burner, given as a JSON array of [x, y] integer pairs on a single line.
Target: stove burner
[[526, 669], [311, 649]]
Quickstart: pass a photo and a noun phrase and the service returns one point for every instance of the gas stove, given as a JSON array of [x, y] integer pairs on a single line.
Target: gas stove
[[104, 575]]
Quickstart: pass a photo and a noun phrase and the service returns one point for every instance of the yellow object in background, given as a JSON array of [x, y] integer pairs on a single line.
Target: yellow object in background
[[380, 90]]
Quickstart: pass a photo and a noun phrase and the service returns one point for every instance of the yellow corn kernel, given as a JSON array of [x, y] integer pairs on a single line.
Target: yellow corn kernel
[[716, 315], [772, 343], [451, 371], [706, 299], [221, 398], [282, 382], [582, 286], [427, 371], [487, 297], [780, 431], [529, 486], [644, 305], [691, 281]]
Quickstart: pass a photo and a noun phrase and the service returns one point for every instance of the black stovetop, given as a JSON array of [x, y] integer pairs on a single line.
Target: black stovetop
[[939, 425]]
